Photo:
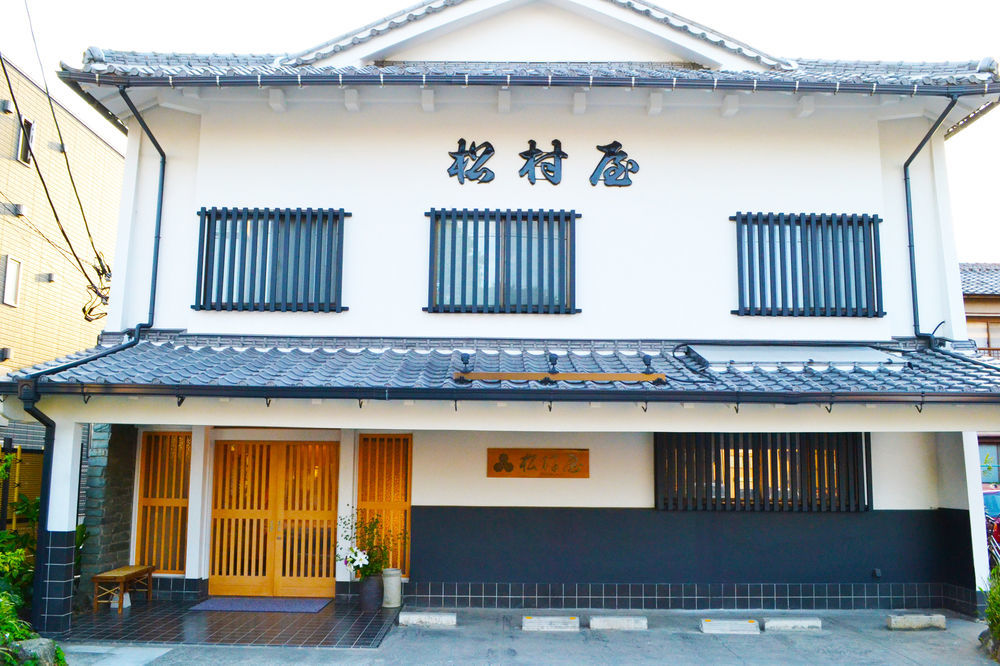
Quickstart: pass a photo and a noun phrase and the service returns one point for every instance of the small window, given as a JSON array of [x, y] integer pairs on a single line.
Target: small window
[[26, 141], [11, 281], [763, 471], [288, 260], [989, 461], [502, 261], [808, 265]]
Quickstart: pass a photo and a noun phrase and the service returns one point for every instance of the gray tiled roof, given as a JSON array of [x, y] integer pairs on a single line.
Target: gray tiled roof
[[350, 367], [177, 66], [430, 7], [980, 279]]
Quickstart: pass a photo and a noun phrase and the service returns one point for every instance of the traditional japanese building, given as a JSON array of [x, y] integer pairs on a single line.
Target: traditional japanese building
[[639, 317]]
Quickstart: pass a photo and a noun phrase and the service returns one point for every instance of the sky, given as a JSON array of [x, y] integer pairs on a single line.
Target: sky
[[920, 30]]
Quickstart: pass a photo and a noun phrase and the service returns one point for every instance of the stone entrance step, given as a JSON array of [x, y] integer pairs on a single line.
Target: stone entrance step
[[425, 619], [730, 627], [915, 622], [792, 624], [550, 623], [619, 622]]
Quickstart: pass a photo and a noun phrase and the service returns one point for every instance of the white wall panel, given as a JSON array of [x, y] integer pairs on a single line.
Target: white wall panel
[[905, 471], [449, 469]]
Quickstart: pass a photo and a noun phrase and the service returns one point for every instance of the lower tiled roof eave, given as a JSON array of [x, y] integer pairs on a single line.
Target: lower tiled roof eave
[[516, 394]]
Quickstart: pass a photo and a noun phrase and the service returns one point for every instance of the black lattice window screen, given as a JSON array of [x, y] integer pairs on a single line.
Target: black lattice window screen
[[288, 259], [808, 265], [502, 261], [763, 471]]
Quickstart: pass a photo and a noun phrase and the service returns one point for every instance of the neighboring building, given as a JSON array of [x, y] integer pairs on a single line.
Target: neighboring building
[[981, 293], [619, 316], [43, 291]]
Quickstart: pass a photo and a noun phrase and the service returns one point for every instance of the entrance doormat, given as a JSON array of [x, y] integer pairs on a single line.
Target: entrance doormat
[[262, 604]]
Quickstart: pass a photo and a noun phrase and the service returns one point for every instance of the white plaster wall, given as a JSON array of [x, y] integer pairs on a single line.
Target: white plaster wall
[[952, 490], [449, 469], [940, 296], [654, 260], [178, 135], [905, 471]]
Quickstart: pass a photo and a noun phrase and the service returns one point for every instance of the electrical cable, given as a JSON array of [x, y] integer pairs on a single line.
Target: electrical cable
[[102, 268], [34, 227], [99, 292]]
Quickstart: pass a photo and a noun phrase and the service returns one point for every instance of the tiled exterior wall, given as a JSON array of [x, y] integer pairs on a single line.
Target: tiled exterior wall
[[48, 321], [108, 510], [54, 559], [688, 596]]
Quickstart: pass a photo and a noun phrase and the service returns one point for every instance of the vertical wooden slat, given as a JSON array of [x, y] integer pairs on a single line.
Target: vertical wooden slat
[[784, 260], [877, 260], [439, 247], [773, 263], [560, 286], [199, 289], [795, 237], [463, 299], [836, 227], [741, 291]]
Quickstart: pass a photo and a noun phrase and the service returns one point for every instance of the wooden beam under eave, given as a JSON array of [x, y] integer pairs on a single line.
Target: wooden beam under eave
[[503, 100], [276, 100], [805, 107], [654, 106], [730, 106], [427, 100], [352, 100]]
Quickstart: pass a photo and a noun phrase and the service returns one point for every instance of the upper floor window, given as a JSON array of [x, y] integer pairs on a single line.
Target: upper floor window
[[808, 265], [11, 281], [763, 471], [25, 141], [287, 259], [502, 261]]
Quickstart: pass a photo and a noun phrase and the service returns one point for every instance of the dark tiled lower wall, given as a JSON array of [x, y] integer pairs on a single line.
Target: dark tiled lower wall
[[174, 588], [52, 605], [690, 596]]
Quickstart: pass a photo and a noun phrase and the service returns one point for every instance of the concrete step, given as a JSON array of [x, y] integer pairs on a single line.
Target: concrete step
[[915, 622], [619, 622], [427, 619], [550, 623], [792, 624], [730, 627]]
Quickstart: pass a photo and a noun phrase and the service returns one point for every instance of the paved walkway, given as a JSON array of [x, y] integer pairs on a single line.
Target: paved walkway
[[491, 637]]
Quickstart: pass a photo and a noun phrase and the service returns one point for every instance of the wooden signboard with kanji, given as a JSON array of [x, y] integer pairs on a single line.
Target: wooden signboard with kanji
[[538, 463]]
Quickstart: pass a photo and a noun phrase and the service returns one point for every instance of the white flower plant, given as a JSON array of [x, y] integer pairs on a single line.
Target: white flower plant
[[364, 545]]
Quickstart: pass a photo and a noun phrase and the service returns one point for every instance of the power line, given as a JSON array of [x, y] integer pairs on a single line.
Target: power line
[[94, 301], [31, 225], [99, 292], [102, 268]]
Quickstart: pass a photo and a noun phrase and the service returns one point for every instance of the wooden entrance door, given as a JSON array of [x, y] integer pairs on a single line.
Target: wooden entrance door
[[274, 519]]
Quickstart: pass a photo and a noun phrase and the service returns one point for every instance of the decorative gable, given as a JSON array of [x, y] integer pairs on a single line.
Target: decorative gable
[[538, 31]]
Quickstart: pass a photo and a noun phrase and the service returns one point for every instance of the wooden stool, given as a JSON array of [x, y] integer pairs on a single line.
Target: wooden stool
[[118, 581]]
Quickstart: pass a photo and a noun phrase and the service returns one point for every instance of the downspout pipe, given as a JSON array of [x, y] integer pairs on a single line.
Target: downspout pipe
[[42, 538], [27, 388], [909, 222]]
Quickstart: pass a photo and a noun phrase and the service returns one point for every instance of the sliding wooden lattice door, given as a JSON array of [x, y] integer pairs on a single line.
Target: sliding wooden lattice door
[[164, 476], [307, 521], [274, 515], [384, 486]]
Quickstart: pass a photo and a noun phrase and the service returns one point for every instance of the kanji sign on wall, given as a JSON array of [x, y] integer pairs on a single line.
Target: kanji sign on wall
[[538, 463]]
